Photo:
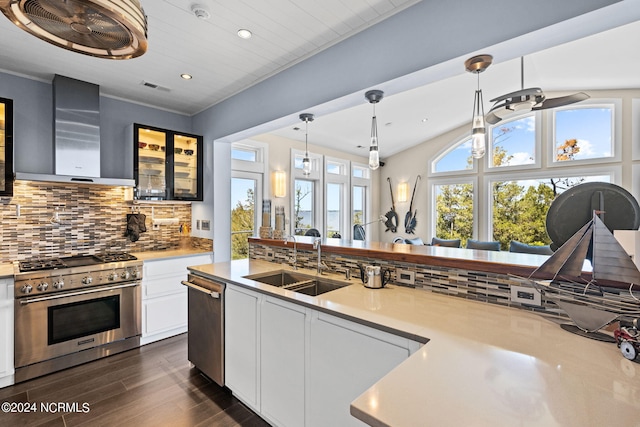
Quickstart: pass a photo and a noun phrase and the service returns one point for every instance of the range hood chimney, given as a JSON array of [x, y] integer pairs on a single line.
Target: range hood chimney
[[76, 127]]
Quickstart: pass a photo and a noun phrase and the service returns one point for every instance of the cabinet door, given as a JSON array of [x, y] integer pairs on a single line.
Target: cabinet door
[[242, 345], [6, 332], [150, 162], [345, 359], [6, 147], [282, 361], [187, 167], [164, 314], [167, 164]]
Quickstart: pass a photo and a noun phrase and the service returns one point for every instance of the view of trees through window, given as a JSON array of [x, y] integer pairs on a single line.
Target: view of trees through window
[[519, 206], [303, 206], [242, 216]]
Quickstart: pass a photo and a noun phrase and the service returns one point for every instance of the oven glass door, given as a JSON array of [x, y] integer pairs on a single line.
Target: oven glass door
[[83, 318], [60, 324]]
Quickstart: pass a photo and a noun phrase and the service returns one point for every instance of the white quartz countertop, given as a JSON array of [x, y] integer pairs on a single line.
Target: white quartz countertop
[[483, 365], [6, 269]]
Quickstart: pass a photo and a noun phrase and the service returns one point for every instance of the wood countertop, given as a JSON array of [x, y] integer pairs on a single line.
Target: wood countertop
[[500, 262], [482, 365]]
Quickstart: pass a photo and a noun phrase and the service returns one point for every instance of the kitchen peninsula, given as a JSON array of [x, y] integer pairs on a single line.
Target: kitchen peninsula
[[481, 365]]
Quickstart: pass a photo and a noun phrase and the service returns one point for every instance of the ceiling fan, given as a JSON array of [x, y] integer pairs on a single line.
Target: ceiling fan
[[530, 99]]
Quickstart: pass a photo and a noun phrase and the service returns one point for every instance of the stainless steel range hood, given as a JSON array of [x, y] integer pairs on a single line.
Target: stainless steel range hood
[[76, 127]]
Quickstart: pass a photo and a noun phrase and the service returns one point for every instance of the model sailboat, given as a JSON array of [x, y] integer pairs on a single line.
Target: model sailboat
[[585, 299]]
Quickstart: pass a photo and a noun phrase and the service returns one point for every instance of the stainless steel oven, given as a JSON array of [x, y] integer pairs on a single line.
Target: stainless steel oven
[[71, 315]]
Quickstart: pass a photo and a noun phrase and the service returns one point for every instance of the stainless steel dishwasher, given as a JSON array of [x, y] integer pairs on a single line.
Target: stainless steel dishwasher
[[206, 326]]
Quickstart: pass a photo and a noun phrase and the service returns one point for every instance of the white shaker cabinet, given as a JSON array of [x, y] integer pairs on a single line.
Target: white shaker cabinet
[[283, 329], [242, 344], [6, 332], [164, 298], [296, 366], [344, 360]]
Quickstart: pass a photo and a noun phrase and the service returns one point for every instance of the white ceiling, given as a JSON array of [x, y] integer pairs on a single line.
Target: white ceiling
[[597, 62], [221, 63], [287, 32]]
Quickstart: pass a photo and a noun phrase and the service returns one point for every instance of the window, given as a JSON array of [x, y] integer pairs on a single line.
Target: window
[[585, 132], [358, 203], [456, 158], [533, 161], [336, 197], [454, 211], [244, 189], [303, 206], [247, 185], [520, 207], [513, 142]]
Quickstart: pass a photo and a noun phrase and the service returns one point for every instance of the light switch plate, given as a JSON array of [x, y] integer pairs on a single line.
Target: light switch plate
[[206, 225], [525, 295]]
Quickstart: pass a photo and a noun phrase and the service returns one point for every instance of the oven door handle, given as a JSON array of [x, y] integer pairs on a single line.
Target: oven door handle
[[213, 294], [73, 294]]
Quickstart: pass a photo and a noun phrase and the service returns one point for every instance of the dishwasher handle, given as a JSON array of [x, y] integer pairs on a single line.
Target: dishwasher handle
[[213, 294]]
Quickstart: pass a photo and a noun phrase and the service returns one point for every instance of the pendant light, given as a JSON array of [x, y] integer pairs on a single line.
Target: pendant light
[[374, 96], [476, 65], [306, 163]]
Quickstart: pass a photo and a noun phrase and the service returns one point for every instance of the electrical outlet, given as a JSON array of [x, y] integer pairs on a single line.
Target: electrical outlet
[[525, 295], [197, 224], [407, 277]]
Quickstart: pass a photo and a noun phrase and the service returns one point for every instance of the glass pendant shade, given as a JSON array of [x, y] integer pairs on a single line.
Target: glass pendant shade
[[306, 163], [374, 156], [478, 129], [477, 65], [374, 96]]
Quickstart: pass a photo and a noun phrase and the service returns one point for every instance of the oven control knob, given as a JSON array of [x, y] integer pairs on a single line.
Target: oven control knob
[[59, 284], [137, 274], [26, 289], [43, 286], [125, 275], [113, 276], [87, 280]]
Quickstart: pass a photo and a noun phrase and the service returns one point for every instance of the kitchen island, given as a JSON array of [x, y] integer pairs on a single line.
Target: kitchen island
[[482, 364]]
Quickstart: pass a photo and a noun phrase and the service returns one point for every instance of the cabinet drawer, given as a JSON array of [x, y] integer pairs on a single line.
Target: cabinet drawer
[[173, 266], [165, 286]]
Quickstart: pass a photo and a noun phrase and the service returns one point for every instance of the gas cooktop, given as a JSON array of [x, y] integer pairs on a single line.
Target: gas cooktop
[[38, 264]]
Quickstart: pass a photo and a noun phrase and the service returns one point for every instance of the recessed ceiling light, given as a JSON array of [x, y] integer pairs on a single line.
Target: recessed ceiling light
[[425, 120], [186, 76], [244, 34], [388, 124]]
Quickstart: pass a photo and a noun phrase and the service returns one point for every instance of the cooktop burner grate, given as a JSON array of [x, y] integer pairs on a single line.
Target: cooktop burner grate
[[74, 261]]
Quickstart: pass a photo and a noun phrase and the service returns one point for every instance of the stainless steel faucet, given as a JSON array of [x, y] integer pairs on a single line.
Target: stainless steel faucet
[[316, 245], [295, 249]]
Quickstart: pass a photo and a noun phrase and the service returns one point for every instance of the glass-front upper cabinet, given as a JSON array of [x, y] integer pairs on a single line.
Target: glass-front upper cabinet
[[168, 164], [6, 147]]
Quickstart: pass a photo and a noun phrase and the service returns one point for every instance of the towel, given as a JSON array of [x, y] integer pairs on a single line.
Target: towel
[[135, 226]]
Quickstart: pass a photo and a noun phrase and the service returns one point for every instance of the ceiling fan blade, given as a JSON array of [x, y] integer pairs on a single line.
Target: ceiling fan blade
[[532, 91], [492, 118], [562, 100]]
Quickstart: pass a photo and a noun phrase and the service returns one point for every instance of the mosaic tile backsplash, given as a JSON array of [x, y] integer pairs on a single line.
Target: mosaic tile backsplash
[[90, 219], [474, 285]]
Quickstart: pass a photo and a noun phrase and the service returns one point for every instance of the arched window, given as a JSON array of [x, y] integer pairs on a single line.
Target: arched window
[[456, 158]]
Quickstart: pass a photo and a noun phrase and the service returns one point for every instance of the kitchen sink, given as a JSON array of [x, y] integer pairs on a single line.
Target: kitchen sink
[[279, 278], [298, 282]]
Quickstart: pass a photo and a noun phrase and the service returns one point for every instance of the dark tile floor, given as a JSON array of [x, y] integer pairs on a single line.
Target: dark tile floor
[[149, 386]]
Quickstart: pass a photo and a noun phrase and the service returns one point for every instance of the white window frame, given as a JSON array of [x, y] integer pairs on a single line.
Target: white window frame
[[452, 181], [316, 175], [614, 171], [258, 177], [366, 183], [342, 178], [538, 154], [616, 129], [443, 153]]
